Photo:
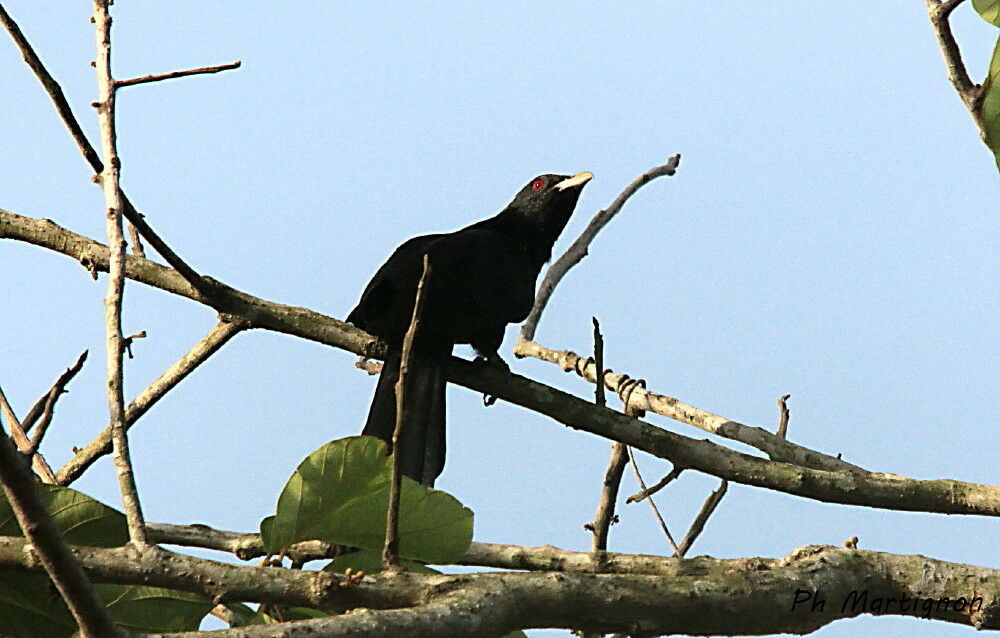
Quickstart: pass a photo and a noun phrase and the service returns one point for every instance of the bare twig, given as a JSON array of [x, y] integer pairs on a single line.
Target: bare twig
[[177, 74], [641, 398], [652, 504], [57, 389], [20, 439], [605, 515], [663, 482], [221, 333], [390, 553], [90, 154], [40, 531], [971, 94], [578, 250], [783, 418], [707, 508], [116, 274]]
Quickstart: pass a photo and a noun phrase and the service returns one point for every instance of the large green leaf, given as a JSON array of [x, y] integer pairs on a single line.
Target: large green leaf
[[989, 9], [30, 604], [154, 609], [81, 519], [991, 104], [339, 494]]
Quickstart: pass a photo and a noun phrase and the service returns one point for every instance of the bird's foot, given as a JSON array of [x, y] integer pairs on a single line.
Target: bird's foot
[[491, 361]]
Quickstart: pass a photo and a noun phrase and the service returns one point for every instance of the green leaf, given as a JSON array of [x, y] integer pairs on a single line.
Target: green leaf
[[991, 104], [30, 604], [989, 9], [370, 562], [339, 494], [153, 609], [81, 519]]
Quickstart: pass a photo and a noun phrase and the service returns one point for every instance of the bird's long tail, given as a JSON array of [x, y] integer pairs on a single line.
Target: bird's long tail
[[422, 446]]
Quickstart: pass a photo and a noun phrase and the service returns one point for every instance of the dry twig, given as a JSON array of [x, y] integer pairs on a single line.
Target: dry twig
[[605, 515], [578, 249], [177, 74], [116, 274], [782, 431], [707, 508], [390, 553]]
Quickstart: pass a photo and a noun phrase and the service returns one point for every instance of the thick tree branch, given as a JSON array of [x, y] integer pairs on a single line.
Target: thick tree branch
[[867, 489], [640, 398], [47, 546], [693, 596], [221, 333], [578, 249]]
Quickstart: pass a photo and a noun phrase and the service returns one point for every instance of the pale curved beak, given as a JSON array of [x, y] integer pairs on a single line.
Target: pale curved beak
[[577, 180]]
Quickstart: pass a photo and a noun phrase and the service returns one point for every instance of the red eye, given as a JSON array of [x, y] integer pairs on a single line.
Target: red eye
[[538, 184]]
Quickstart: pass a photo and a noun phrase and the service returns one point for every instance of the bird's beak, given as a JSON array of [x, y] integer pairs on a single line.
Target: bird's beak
[[577, 180]]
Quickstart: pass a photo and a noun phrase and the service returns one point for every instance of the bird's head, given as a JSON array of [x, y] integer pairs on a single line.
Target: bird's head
[[547, 202]]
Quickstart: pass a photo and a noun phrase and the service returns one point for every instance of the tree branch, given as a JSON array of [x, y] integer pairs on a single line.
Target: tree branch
[[390, 552], [47, 544], [707, 508], [971, 93], [116, 274], [701, 595], [605, 514], [218, 336], [578, 249], [145, 79], [868, 489], [56, 391], [775, 447], [20, 439]]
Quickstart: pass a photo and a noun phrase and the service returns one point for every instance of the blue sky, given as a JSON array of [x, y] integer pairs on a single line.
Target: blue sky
[[831, 234]]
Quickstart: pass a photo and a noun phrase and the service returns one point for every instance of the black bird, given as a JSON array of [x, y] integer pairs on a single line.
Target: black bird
[[482, 278]]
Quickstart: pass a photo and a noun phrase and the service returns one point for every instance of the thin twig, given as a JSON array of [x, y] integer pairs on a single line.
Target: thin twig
[[707, 508], [578, 250], [116, 275], [20, 439], [663, 482], [782, 431], [390, 553], [40, 531], [57, 389], [177, 74], [605, 515], [652, 504], [90, 154], [217, 337], [971, 94]]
